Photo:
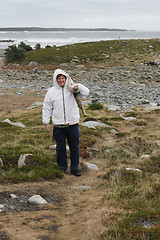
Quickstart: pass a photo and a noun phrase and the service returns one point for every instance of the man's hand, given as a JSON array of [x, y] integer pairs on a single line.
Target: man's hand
[[72, 87], [48, 127]]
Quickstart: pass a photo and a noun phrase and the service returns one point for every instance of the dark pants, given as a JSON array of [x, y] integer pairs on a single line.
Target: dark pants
[[71, 134]]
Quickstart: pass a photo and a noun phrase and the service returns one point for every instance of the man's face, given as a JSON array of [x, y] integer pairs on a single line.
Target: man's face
[[61, 80]]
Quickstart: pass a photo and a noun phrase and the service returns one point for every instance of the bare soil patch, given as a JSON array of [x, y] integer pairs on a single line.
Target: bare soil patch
[[70, 213], [10, 101]]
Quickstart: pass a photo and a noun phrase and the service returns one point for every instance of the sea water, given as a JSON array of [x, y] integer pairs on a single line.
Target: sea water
[[60, 38]]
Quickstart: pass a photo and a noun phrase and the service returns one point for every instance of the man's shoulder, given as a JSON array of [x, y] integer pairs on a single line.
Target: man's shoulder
[[51, 89]]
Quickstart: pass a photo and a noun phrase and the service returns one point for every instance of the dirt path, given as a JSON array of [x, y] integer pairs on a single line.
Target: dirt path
[[74, 214]]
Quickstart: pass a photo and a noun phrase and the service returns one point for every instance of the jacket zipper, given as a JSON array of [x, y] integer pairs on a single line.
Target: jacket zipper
[[64, 106]]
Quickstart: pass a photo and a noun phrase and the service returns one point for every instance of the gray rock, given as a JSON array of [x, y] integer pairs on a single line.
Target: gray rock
[[33, 64], [152, 106], [21, 92], [2, 207], [133, 169], [54, 147], [86, 102], [13, 196], [64, 65], [113, 131], [34, 105], [37, 199], [113, 107], [22, 159], [1, 83], [94, 124], [129, 118], [1, 162], [158, 143], [157, 61], [17, 124], [146, 156], [83, 187], [92, 166]]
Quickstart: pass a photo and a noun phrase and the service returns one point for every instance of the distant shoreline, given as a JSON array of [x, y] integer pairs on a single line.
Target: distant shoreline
[[57, 29], [6, 40]]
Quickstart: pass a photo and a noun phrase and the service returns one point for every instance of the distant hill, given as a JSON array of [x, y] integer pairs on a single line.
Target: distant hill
[[57, 29]]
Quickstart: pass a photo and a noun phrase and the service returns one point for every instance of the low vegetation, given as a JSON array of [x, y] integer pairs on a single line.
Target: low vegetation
[[123, 52], [133, 195]]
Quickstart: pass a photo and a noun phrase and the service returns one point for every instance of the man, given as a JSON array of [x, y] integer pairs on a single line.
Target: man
[[60, 104]]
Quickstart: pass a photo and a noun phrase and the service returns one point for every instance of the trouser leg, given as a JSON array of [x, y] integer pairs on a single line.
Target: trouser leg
[[72, 134], [61, 154]]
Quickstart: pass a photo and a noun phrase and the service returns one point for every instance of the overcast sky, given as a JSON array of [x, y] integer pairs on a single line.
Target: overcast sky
[[124, 14]]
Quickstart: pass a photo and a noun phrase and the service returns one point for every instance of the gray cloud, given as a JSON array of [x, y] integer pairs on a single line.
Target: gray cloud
[[128, 14]]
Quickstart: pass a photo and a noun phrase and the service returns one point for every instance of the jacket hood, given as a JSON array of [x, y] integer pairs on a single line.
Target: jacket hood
[[69, 81]]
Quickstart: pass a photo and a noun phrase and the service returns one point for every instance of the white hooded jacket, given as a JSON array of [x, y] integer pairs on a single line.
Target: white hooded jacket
[[60, 103]]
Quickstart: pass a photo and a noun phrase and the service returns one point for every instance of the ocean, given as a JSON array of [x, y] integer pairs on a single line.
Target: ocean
[[60, 38]]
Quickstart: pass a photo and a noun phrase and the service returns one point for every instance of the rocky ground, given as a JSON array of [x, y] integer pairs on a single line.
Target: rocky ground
[[120, 86]]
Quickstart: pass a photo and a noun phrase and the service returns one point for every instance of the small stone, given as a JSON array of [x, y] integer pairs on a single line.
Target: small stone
[[157, 61], [133, 169], [20, 92], [92, 166], [13, 196], [145, 156], [129, 118], [113, 108], [113, 131], [80, 66], [37, 199], [158, 143], [54, 147], [1, 162], [32, 64], [2, 206], [22, 159], [83, 187]]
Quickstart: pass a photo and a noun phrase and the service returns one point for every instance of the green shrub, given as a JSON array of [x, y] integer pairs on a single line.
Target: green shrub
[[25, 47], [95, 106], [47, 46], [38, 46], [14, 54]]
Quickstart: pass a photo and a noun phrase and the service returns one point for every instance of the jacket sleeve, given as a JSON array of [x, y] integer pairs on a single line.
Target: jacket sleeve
[[84, 91], [47, 109]]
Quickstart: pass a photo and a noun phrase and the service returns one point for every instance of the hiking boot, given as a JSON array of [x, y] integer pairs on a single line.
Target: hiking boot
[[76, 173]]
